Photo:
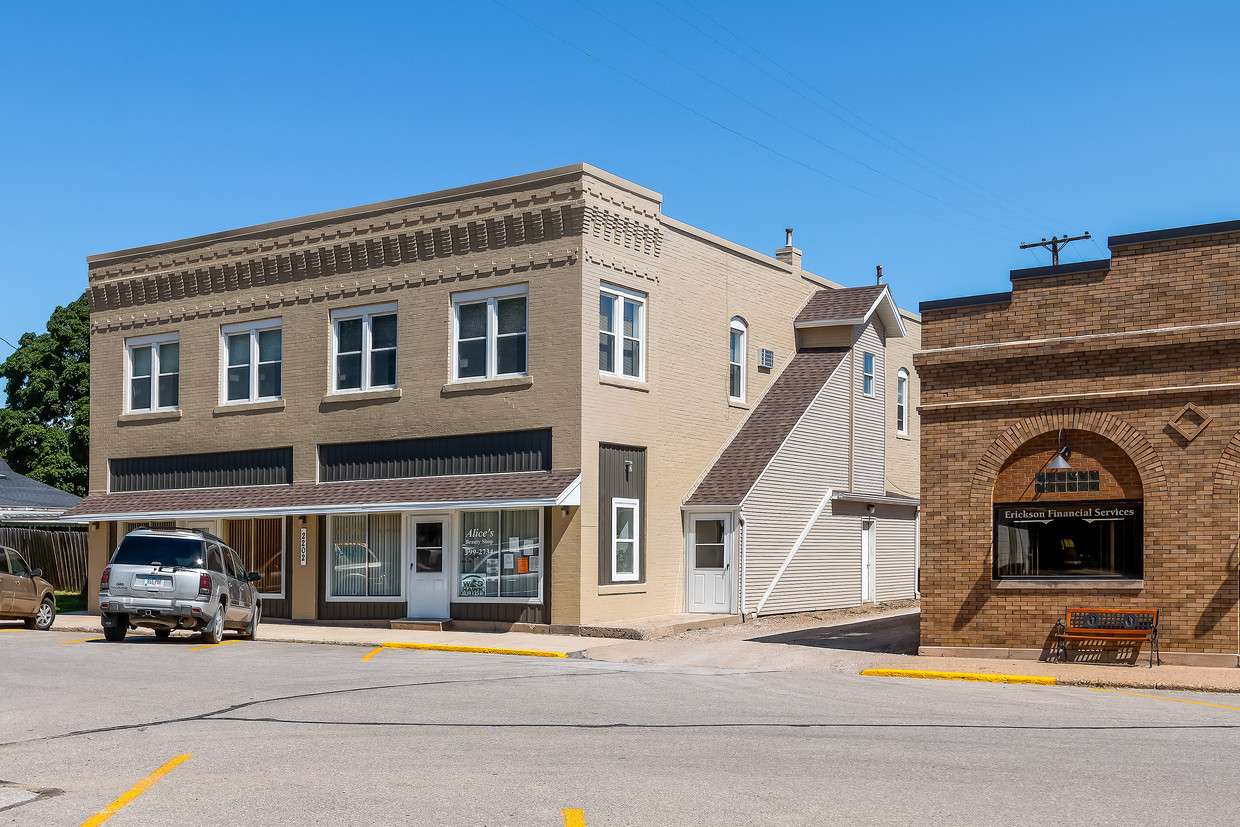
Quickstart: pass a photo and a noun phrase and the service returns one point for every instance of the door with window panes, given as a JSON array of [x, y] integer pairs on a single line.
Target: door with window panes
[[428, 572], [710, 563]]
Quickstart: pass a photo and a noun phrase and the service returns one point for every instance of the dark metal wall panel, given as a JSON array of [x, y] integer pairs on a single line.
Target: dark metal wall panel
[[437, 456], [267, 466], [613, 481]]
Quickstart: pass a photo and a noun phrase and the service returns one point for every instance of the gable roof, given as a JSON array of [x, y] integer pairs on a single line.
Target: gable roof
[[852, 306], [21, 496], [751, 450]]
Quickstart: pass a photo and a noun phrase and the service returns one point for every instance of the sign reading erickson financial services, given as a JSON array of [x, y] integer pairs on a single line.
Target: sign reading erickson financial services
[[1071, 540]]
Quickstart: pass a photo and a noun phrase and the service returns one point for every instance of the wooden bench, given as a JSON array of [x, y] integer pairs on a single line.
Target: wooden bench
[[1108, 625]]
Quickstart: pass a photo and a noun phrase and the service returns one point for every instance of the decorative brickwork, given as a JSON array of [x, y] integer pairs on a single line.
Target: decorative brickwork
[[1112, 356]]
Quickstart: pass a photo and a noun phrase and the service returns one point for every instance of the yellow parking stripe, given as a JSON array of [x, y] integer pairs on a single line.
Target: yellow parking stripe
[[479, 650], [1165, 698], [372, 653], [212, 645], [574, 818], [83, 640], [958, 676], [134, 791]]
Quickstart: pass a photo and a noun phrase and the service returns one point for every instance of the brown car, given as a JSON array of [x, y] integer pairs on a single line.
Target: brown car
[[24, 593]]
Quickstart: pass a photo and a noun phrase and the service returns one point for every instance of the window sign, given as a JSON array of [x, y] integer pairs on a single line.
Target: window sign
[[1069, 540], [500, 555]]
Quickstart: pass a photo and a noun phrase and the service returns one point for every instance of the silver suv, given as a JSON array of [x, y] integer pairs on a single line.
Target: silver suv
[[177, 578]]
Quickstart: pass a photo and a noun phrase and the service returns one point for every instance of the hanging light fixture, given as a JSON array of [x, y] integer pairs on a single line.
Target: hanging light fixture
[[1060, 462]]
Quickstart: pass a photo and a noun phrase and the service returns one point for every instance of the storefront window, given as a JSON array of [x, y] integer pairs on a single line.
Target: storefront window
[[500, 554], [1078, 540], [365, 556], [260, 544]]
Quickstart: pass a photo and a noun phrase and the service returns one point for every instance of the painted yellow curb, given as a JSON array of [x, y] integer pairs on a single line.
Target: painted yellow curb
[[958, 676], [478, 650]]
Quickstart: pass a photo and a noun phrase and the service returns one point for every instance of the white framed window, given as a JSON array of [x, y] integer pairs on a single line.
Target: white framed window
[[736, 360], [499, 557], [252, 358], [153, 373], [621, 332], [625, 540], [364, 348], [490, 333], [364, 561], [902, 401], [867, 374]]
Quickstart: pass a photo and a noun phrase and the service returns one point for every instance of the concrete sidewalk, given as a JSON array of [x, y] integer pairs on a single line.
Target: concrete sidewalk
[[846, 647]]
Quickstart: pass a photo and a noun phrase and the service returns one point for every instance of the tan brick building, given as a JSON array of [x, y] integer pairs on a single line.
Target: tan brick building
[[1129, 362], [491, 403]]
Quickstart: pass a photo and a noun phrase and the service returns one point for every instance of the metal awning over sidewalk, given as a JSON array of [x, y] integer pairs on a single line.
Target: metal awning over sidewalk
[[521, 490]]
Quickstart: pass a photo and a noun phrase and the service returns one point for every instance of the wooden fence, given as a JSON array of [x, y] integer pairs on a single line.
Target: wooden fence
[[60, 553]]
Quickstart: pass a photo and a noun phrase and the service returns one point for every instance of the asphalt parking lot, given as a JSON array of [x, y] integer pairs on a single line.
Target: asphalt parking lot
[[312, 734]]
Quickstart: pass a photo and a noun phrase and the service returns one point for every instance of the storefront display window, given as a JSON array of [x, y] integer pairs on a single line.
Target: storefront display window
[[364, 560], [1070, 540], [500, 555], [260, 544]]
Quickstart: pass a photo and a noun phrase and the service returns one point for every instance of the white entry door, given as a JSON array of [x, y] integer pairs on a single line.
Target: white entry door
[[710, 563], [428, 575], [868, 560]]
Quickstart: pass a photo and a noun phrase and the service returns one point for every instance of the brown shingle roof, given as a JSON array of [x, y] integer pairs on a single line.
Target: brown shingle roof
[[743, 461], [839, 305], [535, 485]]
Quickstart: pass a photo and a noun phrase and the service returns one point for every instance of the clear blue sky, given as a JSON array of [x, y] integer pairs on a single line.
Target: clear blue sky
[[127, 124]]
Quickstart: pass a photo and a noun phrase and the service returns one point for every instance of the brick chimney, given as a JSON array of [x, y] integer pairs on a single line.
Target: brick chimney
[[789, 254]]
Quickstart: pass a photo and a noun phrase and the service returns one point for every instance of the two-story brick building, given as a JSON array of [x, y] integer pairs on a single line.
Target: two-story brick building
[[537, 400], [1082, 449]]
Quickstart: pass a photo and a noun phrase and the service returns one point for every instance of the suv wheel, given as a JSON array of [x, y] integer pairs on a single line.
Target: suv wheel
[[116, 633], [251, 628], [43, 618], [213, 632]]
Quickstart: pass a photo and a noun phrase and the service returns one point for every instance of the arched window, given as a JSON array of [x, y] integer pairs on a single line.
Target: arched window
[[902, 402], [736, 360]]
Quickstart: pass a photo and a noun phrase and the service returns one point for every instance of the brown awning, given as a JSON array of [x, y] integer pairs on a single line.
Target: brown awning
[[523, 490]]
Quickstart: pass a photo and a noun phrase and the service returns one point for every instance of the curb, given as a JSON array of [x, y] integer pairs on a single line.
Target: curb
[[958, 676], [477, 650]]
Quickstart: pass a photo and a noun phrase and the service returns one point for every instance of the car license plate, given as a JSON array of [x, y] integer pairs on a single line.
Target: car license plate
[[156, 581]]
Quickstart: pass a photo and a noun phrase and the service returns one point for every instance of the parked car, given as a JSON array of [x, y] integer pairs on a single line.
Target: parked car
[[24, 594], [177, 578]]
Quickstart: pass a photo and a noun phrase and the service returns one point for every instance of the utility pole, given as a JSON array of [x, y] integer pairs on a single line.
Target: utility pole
[[1054, 244]]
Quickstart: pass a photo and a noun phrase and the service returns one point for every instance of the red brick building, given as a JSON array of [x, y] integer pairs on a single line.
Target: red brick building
[[1124, 372]]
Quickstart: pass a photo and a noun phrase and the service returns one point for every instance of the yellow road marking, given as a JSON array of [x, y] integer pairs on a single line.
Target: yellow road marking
[[134, 791], [480, 650], [372, 653], [83, 640], [211, 645], [574, 818], [958, 676], [1165, 698]]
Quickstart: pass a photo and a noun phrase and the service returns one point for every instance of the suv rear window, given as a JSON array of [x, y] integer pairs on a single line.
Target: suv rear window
[[159, 551]]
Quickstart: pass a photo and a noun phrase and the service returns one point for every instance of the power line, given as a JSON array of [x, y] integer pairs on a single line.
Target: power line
[[791, 126], [737, 132], [852, 114]]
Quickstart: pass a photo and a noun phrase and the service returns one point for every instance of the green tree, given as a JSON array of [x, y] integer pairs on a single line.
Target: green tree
[[45, 428]]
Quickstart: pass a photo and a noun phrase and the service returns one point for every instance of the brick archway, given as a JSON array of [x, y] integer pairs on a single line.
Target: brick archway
[[1124, 435], [1226, 485]]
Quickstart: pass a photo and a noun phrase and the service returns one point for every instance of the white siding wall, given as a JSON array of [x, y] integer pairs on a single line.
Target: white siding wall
[[896, 571], [870, 417], [812, 459]]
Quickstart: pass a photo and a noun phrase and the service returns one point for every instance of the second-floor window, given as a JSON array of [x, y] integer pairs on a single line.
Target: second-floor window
[[253, 361], [621, 332], [490, 337], [736, 361], [364, 348], [154, 368], [867, 374], [902, 402]]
